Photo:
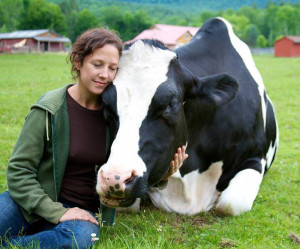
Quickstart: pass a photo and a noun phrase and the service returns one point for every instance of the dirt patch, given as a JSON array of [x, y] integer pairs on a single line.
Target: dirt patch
[[226, 243], [200, 222], [295, 238]]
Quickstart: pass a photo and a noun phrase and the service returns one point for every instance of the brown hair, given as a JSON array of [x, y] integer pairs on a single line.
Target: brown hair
[[88, 42]]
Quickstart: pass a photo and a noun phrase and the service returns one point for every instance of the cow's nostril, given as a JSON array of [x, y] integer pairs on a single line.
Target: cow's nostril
[[131, 178]]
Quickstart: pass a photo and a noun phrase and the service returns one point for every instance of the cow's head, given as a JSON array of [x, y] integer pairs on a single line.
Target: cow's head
[[146, 100]]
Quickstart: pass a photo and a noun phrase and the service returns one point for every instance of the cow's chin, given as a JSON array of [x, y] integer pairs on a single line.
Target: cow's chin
[[117, 202]]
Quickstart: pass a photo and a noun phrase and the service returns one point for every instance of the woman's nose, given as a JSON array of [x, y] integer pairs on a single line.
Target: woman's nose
[[103, 73]]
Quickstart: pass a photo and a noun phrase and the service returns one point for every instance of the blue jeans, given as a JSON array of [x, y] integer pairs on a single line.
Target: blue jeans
[[15, 230]]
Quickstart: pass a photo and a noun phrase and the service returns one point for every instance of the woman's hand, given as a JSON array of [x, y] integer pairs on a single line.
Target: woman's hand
[[78, 214], [177, 162]]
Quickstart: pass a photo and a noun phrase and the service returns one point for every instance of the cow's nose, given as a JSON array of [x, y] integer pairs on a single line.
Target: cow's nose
[[118, 184]]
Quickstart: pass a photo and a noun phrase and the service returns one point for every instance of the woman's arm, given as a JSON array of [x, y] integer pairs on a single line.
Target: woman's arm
[[22, 173]]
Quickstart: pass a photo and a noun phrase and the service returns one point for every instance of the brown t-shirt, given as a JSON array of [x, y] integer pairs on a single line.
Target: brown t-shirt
[[87, 149]]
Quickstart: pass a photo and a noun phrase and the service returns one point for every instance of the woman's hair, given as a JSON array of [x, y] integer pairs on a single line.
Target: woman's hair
[[88, 42]]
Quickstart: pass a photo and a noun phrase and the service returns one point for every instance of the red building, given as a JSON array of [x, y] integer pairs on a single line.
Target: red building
[[33, 40], [288, 46], [172, 36]]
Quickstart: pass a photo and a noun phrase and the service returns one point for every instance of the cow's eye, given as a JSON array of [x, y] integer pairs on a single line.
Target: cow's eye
[[171, 111], [171, 106]]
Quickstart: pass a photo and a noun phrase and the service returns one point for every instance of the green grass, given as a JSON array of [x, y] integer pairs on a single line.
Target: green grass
[[276, 211]]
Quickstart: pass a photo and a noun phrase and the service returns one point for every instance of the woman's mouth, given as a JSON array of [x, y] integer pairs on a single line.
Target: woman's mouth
[[99, 83]]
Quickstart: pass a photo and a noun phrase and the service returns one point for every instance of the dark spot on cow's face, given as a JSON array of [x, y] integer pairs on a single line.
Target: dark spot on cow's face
[[114, 192], [117, 177], [162, 131], [112, 189]]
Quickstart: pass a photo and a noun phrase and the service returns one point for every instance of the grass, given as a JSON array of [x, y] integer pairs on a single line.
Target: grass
[[275, 214]]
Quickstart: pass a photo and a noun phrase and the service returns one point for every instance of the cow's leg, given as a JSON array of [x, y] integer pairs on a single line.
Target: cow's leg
[[241, 192]]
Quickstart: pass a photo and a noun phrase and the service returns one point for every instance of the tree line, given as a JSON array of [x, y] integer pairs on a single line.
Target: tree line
[[258, 27]]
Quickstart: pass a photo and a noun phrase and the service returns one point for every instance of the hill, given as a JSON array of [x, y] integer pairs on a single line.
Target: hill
[[191, 6]]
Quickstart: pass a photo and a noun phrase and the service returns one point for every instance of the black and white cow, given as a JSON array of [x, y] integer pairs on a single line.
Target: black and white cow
[[207, 95]]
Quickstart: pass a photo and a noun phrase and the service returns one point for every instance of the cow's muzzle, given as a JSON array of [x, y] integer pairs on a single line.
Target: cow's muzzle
[[115, 189]]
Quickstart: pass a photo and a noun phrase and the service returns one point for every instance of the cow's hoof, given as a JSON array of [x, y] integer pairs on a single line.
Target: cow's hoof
[[230, 208]]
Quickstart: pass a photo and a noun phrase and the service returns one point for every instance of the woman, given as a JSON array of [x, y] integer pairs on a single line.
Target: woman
[[51, 197]]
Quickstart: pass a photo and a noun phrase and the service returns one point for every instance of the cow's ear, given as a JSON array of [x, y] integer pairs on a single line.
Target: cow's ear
[[217, 89]]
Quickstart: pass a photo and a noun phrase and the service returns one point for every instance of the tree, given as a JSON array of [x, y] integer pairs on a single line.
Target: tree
[[114, 18], [42, 15], [128, 25], [261, 41], [72, 20], [205, 15], [286, 19], [239, 24], [68, 6], [251, 35], [86, 20], [139, 22], [10, 10], [249, 12], [270, 15]]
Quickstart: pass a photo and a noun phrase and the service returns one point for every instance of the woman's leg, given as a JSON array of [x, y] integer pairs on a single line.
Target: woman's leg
[[12, 221], [68, 234]]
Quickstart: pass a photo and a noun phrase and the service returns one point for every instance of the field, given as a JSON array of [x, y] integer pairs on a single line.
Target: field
[[272, 223]]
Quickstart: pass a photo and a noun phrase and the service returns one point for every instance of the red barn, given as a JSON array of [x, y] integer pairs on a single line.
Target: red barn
[[33, 40], [288, 46]]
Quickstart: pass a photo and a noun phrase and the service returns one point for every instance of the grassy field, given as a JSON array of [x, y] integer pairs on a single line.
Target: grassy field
[[275, 217]]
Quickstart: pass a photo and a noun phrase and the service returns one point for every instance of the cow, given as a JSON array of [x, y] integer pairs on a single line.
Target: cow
[[207, 95]]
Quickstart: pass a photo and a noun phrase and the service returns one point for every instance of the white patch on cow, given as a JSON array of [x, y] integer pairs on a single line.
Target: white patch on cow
[[245, 53], [142, 69], [190, 194], [241, 192]]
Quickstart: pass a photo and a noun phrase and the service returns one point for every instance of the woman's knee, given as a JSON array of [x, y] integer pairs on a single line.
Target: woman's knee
[[78, 233]]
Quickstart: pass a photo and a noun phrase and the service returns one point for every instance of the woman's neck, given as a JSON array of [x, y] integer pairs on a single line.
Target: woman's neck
[[83, 97]]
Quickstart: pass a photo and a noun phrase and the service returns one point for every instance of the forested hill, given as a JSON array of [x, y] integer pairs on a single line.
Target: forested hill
[[194, 6], [253, 22]]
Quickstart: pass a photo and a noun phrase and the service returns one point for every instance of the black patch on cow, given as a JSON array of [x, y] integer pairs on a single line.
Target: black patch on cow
[[162, 131]]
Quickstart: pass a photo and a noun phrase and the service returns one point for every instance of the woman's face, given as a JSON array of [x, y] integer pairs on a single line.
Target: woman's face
[[99, 69]]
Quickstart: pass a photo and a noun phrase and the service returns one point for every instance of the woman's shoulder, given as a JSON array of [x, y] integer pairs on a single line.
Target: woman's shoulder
[[52, 100]]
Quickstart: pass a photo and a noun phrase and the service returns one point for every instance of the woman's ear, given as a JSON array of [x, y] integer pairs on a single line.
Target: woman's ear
[[217, 89], [77, 65]]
